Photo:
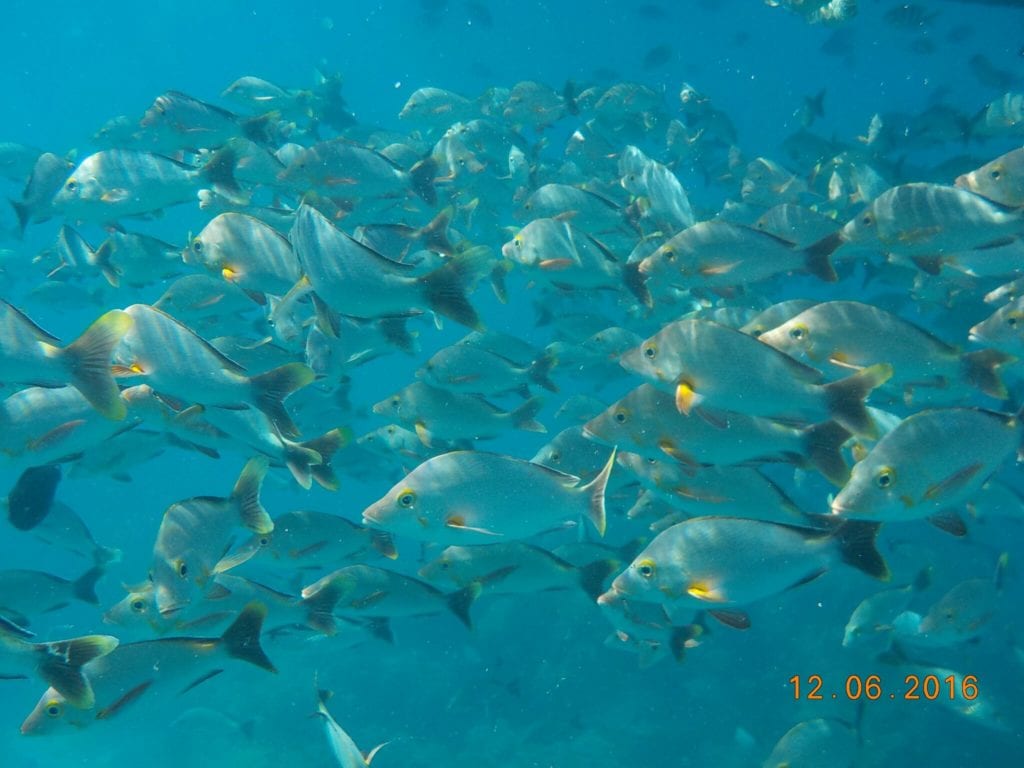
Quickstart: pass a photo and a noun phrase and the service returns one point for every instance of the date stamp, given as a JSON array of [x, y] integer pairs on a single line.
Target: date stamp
[[874, 688]]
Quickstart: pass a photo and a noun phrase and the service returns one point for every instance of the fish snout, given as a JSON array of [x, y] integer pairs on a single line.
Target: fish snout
[[610, 598]]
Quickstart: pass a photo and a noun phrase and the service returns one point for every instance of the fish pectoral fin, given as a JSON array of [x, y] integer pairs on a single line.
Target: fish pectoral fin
[[499, 575], [702, 590], [458, 523], [116, 195], [840, 361], [307, 551], [370, 599], [368, 757], [55, 435], [716, 419], [687, 398], [808, 578], [954, 482], [127, 698], [422, 433], [200, 680], [718, 269], [950, 522], [123, 371], [734, 619], [698, 495], [554, 265]]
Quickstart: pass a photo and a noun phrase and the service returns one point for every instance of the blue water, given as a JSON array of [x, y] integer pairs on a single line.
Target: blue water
[[533, 684]]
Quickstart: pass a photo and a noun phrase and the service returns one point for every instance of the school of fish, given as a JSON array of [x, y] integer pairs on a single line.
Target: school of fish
[[761, 366]]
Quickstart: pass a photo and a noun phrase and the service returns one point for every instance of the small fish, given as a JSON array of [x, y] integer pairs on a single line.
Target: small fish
[[717, 563], [1000, 180], [449, 499], [58, 663], [1003, 329], [345, 750], [469, 368], [195, 533], [910, 16], [25, 594], [247, 252], [437, 414], [37, 200], [309, 540], [873, 618], [658, 56], [137, 260]]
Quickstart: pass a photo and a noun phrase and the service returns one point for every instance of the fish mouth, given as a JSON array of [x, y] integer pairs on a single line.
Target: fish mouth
[[612, 597], [370, 518]]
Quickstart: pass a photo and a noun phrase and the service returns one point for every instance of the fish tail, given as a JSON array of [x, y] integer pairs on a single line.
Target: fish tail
[[856, 540], [980, 369], [435, 232], [682, 638], [594, 491], [845, 398], [818, 257], [823, 448], [24, 213], [422, 176], [326, 446], [396, 333], [541, 369], [446, 287], [246, 496], [459, 602], [523, 417], [84, 587], [106, 555], [593, 576], [88, 360], [242, 639], [62, 662], [320, 611], [636, 282], [100, 259], [219, 171], [271, 388], [300, 461], [384, 544]]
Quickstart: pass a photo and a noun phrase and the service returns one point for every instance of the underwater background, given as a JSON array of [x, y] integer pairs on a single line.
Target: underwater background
[[533, 683]]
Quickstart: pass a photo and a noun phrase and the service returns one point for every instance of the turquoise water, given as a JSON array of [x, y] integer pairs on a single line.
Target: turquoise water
[[534, 682]]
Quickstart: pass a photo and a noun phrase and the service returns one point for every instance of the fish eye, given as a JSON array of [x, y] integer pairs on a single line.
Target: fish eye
[[670, 255], [53, 708], [138, 606], [1011, 321], [395, 402], [621, 416], [264, 541], [867, 220], [994, 174], [182, 569], [885, 477], [517, 241], [197, 245], [407, 498], [645, 568], [71, 185], [650, 351], [555, 456], [798, 332]]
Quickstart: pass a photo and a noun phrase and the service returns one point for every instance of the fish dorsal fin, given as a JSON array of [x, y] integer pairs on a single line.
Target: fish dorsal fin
[[223, 359], [378, 257], [38, 332]]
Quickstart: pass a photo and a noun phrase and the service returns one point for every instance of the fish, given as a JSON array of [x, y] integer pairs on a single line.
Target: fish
[[194, 534], [696, 359], [30, 355], [821, 741], [515, 568], [720, 563], [853, 335], [470, 368], [309, 540], [437, 414], [916, 471], [25, 594], [658, 56], [645, 422], [176, 121], [873, 618], [30, 500], [1002, 329], [37, 199], [114, 183], [1000, 180], [365, 590], [345, 750], [58, 663], [247, 252], [179, 364], [448, 499], [356, 280], [121, 680], [17, 160], [137, 260]]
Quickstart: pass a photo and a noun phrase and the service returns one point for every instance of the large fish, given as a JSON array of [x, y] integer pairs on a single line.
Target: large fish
[[718, 563], [178, 363]]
